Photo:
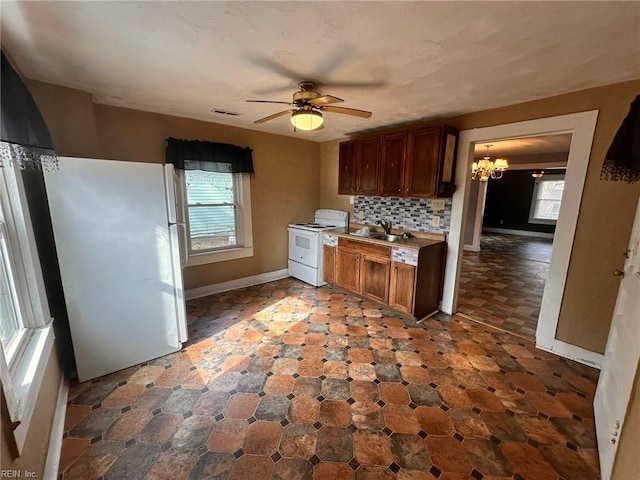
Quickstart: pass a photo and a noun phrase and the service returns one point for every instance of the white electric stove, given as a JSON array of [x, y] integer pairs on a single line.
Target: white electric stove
[[305, 245]]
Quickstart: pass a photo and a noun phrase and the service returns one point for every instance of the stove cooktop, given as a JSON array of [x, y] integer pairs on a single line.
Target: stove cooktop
[[314, 225]]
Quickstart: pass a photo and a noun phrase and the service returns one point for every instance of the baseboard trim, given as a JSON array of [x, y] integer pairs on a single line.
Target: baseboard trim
[[573, 352], [522, 233], [471, 248], [235, 284], [55, 441]]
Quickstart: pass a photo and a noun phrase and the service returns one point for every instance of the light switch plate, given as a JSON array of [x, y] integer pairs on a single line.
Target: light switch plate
[[437, 204], [352, 199], [435, 221]]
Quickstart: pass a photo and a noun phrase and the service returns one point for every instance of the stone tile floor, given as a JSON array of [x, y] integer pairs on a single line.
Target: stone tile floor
[[287, 381], [502, 285]]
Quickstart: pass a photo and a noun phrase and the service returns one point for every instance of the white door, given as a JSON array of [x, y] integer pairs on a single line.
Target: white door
[[621, 357], [110, 222]]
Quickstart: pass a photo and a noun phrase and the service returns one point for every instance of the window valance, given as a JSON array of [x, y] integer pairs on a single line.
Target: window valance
[[24, 134], [209, 156], [622, 162]]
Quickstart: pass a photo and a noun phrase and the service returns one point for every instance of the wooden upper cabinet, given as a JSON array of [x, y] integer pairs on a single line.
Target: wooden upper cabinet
[[430, 164], [393, 150], [358, 165], [367, 166], [347, 168], [421, 175], [413, 163]]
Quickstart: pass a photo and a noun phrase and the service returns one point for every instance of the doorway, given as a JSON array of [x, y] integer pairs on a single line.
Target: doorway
[[508, 234], [581, 126]]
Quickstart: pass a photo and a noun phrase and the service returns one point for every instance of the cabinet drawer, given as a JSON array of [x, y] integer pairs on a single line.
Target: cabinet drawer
[[330, 240], [365, 247], [404, 255]]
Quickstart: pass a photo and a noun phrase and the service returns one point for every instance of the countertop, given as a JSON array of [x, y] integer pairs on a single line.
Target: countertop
[[416, 243]]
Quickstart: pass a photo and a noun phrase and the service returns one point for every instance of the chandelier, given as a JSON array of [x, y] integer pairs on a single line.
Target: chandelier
[[485, 168]]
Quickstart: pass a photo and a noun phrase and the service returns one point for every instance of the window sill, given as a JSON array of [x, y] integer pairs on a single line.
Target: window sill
[[221, 256], [26, 378], [536, 221]]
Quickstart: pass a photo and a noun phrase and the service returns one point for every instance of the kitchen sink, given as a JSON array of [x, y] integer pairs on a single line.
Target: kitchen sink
[[387, 237]]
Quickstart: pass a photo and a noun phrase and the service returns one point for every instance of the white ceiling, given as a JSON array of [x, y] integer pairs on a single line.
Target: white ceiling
[[404, 61], [528, 146]]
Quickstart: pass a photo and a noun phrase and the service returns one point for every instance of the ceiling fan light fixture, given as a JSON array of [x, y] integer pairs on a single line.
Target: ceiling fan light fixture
[[306, 119]]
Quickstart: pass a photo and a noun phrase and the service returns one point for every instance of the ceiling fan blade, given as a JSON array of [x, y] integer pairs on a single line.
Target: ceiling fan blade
[[268, 101], [348, 111], [325, 100], [271, 117]]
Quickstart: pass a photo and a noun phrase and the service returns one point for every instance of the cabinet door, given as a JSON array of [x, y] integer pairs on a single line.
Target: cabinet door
[[374, 278], [329, 263], [347, 269], [393, 149], [423, 166], [401, 290], [367, 166], [347, 168]]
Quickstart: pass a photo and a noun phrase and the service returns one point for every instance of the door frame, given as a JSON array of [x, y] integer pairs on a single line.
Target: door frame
[[582, 127]]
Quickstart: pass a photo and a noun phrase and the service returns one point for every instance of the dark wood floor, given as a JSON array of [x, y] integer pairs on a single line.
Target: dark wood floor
[[502, 285]]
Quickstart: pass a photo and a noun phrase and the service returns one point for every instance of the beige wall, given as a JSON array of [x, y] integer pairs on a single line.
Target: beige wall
[[606, 212], [34, 453], [285, 187]]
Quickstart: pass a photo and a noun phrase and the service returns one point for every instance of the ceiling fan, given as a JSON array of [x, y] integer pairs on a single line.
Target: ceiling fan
[[308, 107]]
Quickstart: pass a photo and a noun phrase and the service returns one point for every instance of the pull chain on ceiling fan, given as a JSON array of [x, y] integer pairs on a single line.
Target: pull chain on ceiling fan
[[309, 105]]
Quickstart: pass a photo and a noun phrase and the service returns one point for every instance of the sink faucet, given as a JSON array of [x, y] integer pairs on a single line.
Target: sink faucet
[[386, 226]]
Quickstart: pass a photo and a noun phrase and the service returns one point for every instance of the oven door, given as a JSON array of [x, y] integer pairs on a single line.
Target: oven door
[[303, 247]]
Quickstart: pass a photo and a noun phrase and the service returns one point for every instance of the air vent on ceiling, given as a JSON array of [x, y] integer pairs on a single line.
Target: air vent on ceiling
[[225, 112]]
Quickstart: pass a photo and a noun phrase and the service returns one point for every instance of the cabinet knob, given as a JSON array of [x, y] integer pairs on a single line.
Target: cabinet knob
[[618, 273]]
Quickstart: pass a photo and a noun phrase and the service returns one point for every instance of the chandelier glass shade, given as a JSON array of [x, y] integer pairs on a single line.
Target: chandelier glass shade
[[306, 119], [486, 168]]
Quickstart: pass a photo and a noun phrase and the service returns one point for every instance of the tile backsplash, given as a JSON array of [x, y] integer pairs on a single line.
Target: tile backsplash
[[414, 214]]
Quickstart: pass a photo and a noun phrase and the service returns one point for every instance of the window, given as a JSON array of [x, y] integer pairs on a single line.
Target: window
[[12, 327], [545, 203], [25, 322], [218, 216]]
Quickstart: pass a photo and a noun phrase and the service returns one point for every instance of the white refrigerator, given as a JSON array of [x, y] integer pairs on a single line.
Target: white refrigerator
[[116, 227]]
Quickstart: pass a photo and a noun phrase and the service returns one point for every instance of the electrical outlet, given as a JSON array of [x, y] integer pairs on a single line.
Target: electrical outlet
[[352, 199], [437, 204], [361, 216], [435, 221]]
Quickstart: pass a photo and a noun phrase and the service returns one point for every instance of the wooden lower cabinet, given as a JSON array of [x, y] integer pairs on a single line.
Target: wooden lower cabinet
[[402, 287], [329, 263], [408, 280], [374, 277], [348, 269]]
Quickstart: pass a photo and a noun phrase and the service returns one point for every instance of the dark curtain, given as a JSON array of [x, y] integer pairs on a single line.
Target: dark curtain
[[209, 156], [22, 123], [622, 162], [27, 142]]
